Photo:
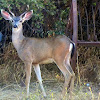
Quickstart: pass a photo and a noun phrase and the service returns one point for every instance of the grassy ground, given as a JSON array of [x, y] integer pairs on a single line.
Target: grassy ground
[[53, 89]]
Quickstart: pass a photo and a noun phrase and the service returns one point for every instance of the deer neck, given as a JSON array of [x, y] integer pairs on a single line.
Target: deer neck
[[17, 37]]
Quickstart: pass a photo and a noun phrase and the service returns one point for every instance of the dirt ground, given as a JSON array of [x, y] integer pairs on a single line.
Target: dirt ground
[[53, 89]]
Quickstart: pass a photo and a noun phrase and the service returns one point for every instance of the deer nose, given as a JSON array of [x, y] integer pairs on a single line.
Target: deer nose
[[15, 26]]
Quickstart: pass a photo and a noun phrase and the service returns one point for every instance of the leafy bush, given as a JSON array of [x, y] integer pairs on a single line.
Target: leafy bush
[[48, 15]]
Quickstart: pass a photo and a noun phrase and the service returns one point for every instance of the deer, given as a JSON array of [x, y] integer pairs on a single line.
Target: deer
[[36, 51]]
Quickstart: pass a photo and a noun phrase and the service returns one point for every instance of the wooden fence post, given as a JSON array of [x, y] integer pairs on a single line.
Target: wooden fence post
[[75, 32]]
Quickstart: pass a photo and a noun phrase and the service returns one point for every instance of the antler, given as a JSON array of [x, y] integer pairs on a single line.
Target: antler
[[25, 11], [10, 11]]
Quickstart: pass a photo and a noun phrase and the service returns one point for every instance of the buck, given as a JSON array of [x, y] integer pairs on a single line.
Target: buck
[[35, 51]]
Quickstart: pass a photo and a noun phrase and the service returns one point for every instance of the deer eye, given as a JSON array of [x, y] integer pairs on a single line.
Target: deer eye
[[12, 21]]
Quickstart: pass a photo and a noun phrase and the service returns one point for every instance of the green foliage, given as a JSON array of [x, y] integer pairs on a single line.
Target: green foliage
[[94, 4], [43, 11]]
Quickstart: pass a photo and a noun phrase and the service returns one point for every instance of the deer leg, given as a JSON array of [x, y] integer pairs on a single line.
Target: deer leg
[[67, 81], [28, 76], [72, 85], [67, 72], [69, 68], [38, 74], [72, 75], [67, 76]]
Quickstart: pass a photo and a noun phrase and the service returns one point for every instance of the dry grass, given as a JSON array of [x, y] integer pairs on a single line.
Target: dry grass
[[89, 63], [12, 73], [53, 90]]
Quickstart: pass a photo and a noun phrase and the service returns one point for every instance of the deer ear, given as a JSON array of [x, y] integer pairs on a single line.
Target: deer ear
[[28, 15], [5, 15]]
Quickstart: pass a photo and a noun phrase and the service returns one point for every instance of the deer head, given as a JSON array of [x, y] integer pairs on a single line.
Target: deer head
[[16, 20]]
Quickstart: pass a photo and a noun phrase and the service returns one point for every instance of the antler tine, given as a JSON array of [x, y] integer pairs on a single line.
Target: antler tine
[[27, 7], [25, 11], [10, 11]]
